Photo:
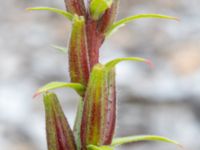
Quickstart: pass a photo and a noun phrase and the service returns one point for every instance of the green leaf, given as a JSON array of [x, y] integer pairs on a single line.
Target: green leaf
[[54, 85], [98, 7], [122, 22], [93, 147], [55, 10], [111, 64], [60, 48], [130, 139]]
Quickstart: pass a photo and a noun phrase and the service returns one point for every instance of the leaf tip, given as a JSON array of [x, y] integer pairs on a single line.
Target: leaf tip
[[175, 18], [60, 48], [149, 63], [39, 92], [36, 94]]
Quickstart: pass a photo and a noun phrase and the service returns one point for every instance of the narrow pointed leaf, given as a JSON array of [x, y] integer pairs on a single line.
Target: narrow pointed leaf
[[60, 48], [55, 10], [124, 21], [55, 85], [98, 7], [130, 139], [59, 134], [76, 7], [93, 147], [78, 52], [99, 112], [113, 63]]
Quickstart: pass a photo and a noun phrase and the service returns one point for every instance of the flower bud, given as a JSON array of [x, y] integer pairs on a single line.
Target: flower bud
[[96, 29], [108, 17], [98, 7], [59, 133], [78, 52], [99, 112]]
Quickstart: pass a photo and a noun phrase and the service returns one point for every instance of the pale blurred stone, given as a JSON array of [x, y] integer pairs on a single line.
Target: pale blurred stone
[[186, 58], [163, 100]]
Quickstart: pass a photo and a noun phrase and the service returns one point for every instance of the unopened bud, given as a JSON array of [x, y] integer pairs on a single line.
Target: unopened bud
[[59, 133], [78, 52], [99, 112]]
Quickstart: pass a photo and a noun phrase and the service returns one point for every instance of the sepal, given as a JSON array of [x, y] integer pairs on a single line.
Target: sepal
[[108, 17], [55, 10], [124, 21]]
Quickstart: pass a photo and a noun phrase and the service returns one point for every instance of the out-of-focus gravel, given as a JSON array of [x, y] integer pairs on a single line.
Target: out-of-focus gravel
[[163, 100]]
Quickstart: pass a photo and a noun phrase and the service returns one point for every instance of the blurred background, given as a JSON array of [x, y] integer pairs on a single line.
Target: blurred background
[[164, 100]]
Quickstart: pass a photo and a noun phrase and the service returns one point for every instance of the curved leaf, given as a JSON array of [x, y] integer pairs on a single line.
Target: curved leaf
[[130, 139], [93, 147], [114, 62], [54, 85], [55, 10], [122, 22], [60, 48]]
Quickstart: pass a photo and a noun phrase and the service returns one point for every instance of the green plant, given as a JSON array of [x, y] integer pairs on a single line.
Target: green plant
[[94, 82]]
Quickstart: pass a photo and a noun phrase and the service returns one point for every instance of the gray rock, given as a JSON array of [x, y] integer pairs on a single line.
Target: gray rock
[[163, 100]]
